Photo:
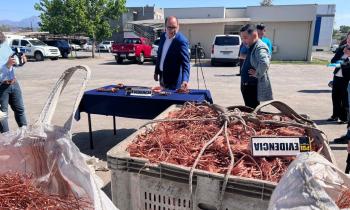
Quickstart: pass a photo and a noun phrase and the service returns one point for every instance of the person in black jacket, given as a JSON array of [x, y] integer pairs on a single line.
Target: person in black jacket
[[340, 85]]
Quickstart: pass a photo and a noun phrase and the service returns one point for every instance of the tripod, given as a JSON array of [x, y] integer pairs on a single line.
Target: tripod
[[199, 66]]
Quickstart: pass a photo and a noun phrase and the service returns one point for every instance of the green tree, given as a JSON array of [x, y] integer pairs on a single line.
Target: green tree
[[266, 3], [344, 29], [101, 13], [91, 17]]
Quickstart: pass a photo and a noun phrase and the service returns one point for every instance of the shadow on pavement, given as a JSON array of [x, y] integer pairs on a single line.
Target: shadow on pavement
[[107, 189], [324, 122], [315, 91], [104, 140], [338, 146], [127, 63], [226, 75]]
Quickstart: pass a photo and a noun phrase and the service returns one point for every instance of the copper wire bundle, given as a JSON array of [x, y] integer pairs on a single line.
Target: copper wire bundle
[[180, 142], [343, 200], [17, 191]]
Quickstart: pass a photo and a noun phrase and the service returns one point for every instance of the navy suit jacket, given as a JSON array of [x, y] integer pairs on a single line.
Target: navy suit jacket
[[176, 68]]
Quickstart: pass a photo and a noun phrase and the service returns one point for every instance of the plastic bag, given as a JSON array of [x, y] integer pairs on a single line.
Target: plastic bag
[[310, 183], [47, 152]]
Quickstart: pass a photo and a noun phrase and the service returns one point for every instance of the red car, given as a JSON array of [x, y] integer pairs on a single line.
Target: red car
[[137, 49]]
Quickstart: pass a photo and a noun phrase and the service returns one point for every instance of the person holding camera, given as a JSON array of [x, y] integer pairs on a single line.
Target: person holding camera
[[10, 91], [340, 86]]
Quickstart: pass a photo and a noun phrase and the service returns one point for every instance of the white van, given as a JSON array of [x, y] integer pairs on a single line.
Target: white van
[[225, 49], [34, 48]]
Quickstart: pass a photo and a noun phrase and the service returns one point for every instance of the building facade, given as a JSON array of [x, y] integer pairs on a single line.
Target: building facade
[[295, 30]]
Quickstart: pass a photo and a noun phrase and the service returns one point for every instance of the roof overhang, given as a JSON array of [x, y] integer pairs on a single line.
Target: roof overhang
[[153, 23]]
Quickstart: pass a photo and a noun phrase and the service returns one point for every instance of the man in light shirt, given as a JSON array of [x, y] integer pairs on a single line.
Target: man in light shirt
[[10, 91], [173, 60]]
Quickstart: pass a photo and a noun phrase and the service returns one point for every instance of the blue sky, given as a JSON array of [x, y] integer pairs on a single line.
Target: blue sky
[[11, 10]]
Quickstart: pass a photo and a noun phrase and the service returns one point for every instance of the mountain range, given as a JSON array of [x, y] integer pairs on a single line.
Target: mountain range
[[26, 22]]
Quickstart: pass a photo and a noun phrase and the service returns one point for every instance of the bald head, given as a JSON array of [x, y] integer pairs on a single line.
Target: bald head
[[171, 26], [171, 18]]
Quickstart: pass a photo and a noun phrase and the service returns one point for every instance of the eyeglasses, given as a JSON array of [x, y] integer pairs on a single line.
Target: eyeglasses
[[171, 27]]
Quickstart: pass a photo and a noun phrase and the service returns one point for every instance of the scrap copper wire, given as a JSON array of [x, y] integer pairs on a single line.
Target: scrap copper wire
[[343, 201], [18, 191], [180, 143]]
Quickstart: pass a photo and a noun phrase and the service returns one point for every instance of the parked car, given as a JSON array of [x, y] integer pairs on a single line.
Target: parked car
[[88, 46], [137, 49], [225, 49], [74, 47], [154, 51], [334, 48], [105, 46], [34, 48], [62, 45]]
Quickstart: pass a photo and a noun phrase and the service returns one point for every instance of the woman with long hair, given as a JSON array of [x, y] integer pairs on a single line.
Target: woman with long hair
[[340, 85]]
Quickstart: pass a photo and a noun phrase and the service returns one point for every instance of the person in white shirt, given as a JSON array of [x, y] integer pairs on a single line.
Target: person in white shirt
[[173, 60], [339, 89], [10, 91]]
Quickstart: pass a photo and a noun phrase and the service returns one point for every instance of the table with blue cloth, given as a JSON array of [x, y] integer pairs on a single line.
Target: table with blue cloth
[[141, 107]]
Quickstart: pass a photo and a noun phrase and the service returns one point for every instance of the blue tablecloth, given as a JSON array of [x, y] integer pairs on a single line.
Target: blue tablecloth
[[141, 107]]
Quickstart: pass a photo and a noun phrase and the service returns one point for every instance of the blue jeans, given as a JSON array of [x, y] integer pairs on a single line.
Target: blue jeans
[[12, 95]]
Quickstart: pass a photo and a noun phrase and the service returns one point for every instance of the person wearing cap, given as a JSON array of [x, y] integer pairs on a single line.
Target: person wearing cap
[[261, 32], [10, 91]]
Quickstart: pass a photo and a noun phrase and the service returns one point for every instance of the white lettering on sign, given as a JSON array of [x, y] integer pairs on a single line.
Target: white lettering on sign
[[276, 146]]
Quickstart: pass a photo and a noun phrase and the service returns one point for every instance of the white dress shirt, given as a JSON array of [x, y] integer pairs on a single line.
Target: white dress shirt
[[5, 53], [166, 46]]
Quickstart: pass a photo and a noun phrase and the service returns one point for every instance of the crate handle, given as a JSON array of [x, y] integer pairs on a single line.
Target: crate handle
[[205, 206]]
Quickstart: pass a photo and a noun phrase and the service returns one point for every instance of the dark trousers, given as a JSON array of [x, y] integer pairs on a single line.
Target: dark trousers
[[340, 98], [241, 61], [165, 85], [12, 95], [250, 95]]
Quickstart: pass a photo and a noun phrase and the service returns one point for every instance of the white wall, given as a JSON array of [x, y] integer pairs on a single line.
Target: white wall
[[326, 32], [203, 33], [328, 9], [291, 38], [282, 13], [235, 12], [199, 12], [327, 13]]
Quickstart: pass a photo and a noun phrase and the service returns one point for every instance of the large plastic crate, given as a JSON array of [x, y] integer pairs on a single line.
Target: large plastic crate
[[138, 185]]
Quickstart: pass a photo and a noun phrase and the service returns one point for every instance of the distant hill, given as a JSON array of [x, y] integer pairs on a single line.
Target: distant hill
[[26, 22]]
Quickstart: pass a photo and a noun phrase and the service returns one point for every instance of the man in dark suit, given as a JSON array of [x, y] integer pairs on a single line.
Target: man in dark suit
[[173, 60]]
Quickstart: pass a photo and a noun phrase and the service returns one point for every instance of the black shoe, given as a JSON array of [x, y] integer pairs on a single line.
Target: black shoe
[[332, 119], [341, 140], [342, 122]]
